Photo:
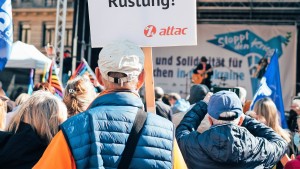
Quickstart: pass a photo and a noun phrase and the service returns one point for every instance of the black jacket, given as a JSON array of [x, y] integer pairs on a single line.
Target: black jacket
[[163, 110], [22, 149], [228, 146]]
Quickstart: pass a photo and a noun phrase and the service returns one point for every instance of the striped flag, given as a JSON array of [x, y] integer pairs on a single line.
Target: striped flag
[[53, 80], [82, 69], [6, 32]]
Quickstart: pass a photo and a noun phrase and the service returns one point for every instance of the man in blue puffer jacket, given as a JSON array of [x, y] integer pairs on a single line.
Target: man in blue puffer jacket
[[234, 141], [97, 137]]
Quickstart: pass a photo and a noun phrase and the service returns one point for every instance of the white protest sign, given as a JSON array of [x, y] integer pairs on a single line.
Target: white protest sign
[[148, 23]]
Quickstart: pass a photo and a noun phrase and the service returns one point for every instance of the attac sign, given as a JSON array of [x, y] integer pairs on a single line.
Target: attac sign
[[149, 23]]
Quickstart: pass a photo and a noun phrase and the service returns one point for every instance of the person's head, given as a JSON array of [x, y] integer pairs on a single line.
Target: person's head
[[3, 111], [22, 98], [197, 93], [263, 62], [225, 107], [50, 50], [180, 105], [159, 93], [67, 53], [45, 86], [121, 66], [203, 59], [165, 99], [296, 105], [79, 93], [43, 112], [266, 108], [173, 97], [242, 94]]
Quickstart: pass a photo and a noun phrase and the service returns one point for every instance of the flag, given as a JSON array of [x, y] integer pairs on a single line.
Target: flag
[[6, 32], [83, 68], [30, 86], [270, 87], [45, 73], [54, 81]]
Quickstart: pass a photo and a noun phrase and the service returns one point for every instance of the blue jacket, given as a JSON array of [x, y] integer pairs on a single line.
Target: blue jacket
[[97, 137], [251, 145]]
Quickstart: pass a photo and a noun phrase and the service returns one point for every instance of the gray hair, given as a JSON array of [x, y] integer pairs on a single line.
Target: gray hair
[[159, 92], [129, 85], [174, 96], [226, 114]]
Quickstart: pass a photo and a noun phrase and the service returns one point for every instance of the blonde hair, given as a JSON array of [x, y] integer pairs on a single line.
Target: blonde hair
[[266, 110], [79, 94], [3, 111], [22, 98], [43, 112]]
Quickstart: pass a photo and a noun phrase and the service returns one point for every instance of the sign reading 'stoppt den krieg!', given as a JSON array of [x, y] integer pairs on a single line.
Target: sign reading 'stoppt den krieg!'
[[148, 23]]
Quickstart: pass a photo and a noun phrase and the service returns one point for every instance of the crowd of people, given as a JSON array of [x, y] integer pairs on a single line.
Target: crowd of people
[[111, 129]]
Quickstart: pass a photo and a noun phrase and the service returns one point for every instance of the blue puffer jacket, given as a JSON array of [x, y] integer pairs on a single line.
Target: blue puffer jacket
[[97, 137], [252, 145]]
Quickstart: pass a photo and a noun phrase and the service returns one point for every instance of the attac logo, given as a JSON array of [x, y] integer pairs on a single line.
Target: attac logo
[[150, 31]]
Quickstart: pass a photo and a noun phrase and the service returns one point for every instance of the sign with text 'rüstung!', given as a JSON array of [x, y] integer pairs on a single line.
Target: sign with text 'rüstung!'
[[148, 23]]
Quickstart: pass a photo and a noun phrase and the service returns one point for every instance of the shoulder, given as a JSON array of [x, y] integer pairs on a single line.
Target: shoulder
[[155, 120], [76, 124], [158, 128]]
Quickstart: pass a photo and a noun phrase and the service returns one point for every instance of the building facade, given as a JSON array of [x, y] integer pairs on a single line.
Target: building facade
[[34, 22]]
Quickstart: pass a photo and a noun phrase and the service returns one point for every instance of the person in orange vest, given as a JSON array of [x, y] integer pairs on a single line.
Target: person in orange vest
[[115, 120]]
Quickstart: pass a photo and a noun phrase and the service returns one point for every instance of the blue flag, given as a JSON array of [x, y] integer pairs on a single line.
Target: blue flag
[[270, 87], [6, 32]]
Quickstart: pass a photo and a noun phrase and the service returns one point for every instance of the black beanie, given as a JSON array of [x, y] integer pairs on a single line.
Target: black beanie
[[197, 93]]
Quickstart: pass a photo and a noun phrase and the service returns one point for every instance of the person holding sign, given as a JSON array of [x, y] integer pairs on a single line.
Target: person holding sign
[[115, 132], [202, 73]]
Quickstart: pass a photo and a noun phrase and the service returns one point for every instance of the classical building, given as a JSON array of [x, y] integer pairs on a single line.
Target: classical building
[[34, 22]]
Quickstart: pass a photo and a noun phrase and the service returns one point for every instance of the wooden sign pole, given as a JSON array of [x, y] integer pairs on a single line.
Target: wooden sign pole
[[149, 81]]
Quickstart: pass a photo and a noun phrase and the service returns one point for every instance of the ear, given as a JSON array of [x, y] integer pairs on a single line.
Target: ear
[[99, 76], [141, 80], [210, 120]]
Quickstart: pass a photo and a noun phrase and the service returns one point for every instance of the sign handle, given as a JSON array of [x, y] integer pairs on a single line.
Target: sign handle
[[149, 81]]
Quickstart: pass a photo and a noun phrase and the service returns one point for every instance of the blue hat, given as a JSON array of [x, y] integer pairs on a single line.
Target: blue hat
[[224, 101]]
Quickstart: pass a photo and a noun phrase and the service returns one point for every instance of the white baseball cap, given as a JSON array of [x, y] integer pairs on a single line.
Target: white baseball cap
[[123, 57]]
